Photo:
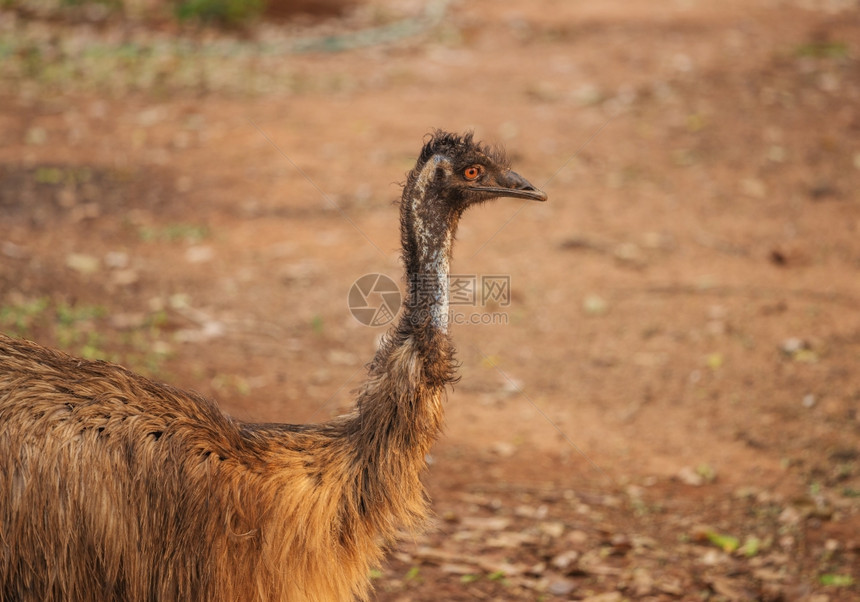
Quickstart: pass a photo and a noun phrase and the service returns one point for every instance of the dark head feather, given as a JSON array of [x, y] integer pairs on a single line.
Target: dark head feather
[[461, 149]]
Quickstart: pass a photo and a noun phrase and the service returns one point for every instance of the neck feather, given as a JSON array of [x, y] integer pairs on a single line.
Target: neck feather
[[427, 233]]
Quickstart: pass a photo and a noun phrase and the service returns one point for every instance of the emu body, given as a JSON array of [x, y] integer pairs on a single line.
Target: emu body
[[124, 489], [117, 488]]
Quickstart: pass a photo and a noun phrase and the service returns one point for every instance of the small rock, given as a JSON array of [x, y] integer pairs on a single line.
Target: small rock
[[792, 345], [565, 560], [577, 537], [643, 582], [588, 94], [688, 476], [505, 539], [544, 91], [36, 136], [503, 449], [537, 570], [151, 116], [672, 587], [776, 153], [178, 301], [606, 597], [595, 305], [199, 254], [480, 523], [657, 241], [753, 187], [533, 512], [713, 558], [85, 211], [765, 574], [161, 348], [457, 569], [790, 516], [630, 254], [208, 331], [717, 312], [561, 587], [125, 277], [127, 321], [13, 251], [116, 259], [84, 264], [800, 350], [67, 198], [342, 358], [621, 544], [553, 529], [726, 588]]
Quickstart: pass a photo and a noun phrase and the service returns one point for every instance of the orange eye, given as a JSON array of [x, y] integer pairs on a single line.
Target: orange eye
[[473, 172]]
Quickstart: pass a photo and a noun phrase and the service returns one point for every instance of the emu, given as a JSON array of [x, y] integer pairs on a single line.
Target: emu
[[117, 488]]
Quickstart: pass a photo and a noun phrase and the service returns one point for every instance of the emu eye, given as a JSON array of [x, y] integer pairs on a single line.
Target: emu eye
[[473, 172]]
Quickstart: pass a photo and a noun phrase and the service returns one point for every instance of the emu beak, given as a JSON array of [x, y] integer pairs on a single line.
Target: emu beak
[[512, 184]]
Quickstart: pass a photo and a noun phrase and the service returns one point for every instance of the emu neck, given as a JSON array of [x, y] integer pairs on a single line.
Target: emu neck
[[399, 409], [427, 232], [427, 273]]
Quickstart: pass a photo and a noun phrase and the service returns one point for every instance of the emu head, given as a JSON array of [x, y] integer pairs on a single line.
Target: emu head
[[454, 172]]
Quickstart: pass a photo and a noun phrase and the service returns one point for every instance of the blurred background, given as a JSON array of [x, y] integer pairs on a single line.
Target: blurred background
[[670, 408]]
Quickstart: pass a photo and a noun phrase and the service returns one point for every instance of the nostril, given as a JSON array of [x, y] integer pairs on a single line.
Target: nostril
[[518, 182]]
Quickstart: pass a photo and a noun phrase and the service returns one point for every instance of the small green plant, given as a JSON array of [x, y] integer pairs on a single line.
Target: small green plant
[[111, 4], [145, 351], [19, 318], [152, 363], [231, 384], [823, 50], [91, 348], [224, 12], [727, 543], [836, 580], [498, 576], [412, 574], [69, 315], [752, 546], [62, 175], [75, 330], [190, 233], [48, 175]]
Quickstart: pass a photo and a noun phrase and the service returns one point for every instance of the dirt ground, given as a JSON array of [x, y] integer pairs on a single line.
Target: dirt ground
[[670, 408]]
